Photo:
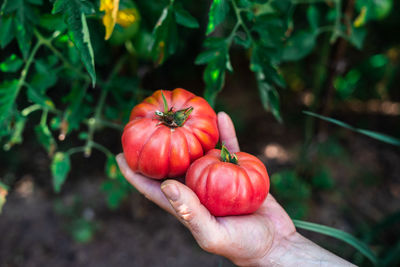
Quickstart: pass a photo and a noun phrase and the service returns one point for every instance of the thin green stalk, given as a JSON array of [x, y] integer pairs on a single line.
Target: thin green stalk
[[337, 31], [240, 19], [93, 122], [74, 150], [28, 64], [48, 43]]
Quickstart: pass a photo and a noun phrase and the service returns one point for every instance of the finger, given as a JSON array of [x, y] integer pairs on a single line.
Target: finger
[[148, 187], [192, 214], [227, 132]]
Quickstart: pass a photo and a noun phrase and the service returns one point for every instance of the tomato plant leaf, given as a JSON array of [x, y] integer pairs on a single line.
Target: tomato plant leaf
[[24, 18], [6, 30], [74, 15], [184, 18], [298, 46], [45, 138], [11, 64], [269, 96], [165, 36], [218, 11], [8, 94], [313, 18], [375, 135], [116, 188], [59, 169]]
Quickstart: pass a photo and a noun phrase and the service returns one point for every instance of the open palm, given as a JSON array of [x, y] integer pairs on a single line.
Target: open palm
[[243, 239]]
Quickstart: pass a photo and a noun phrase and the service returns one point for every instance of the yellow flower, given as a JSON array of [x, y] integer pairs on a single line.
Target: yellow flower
[[113, 15]]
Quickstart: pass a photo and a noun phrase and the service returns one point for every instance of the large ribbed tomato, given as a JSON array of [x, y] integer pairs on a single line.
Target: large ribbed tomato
[[229, 184], [168, 131]]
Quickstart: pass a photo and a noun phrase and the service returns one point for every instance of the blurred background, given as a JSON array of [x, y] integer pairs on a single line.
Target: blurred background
[[66, 93]]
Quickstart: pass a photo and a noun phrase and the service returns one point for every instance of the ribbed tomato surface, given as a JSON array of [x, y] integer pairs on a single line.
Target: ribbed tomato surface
[[159, 151], [226, 188]]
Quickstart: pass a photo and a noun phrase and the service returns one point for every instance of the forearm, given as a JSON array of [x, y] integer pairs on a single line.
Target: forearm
[[299, 251]]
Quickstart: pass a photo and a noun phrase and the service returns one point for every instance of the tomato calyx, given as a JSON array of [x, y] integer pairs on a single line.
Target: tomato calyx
[[226, 156], [173, 118]]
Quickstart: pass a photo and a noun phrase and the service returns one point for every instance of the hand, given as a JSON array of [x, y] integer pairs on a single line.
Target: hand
[[263, 238]]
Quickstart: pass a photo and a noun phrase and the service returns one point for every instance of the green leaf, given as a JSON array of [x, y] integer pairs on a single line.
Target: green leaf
[[357, 37], [313, 17], [74, 15], [6, 30], [322, 179], [45, 138], [8, 95], [214, 73], [378, 136], [269, 97], [338, 234], [184, 18], [59, 169], [261, 61], [16, 131], [11, 64], [298, 46], [52, 22], [36, 2], [24, 18], [117, 188], [218, 11], [165, 36], [292, 191]]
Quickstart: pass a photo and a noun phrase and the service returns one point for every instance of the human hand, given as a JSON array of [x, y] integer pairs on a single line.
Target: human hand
[[259, 239]]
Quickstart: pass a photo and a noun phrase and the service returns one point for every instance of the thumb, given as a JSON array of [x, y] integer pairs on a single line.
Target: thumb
[[191, 213]]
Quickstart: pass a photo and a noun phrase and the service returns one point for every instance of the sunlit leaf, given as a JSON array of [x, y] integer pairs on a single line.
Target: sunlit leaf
[[74, 15], [378, 136], [218, 11], [60, 168]]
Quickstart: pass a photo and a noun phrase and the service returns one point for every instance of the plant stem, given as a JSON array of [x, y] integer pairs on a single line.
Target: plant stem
[[240, 20], [93, 122], [48, 43], [28, 64]]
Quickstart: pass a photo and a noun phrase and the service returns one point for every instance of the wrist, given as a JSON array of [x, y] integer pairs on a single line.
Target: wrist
[[296, 250]]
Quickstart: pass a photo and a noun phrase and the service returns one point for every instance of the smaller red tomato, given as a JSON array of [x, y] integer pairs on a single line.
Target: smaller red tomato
[[229, 184]]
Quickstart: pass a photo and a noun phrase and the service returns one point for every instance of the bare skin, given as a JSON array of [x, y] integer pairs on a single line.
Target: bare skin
[[264, 238]]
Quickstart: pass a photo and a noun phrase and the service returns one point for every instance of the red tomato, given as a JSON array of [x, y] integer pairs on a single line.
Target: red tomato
[[162, 140], [226, 188]]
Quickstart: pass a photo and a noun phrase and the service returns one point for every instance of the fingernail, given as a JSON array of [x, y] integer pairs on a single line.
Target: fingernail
[[171, 191]]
